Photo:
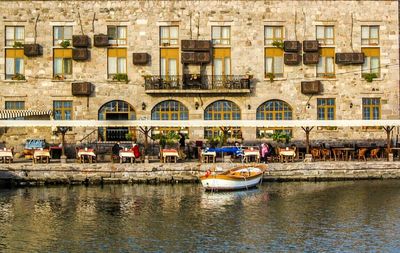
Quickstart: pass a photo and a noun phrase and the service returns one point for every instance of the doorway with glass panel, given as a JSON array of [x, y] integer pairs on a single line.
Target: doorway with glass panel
[[169, 60], [221, 67]]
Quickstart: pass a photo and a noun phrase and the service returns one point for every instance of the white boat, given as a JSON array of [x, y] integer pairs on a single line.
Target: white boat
[[240, 177]]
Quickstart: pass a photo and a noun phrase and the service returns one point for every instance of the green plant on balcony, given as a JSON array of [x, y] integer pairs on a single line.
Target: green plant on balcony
[[18, 44], [369, 77], [271, 77], [278, 44], [65, 43], [120, 77], [18, 77]]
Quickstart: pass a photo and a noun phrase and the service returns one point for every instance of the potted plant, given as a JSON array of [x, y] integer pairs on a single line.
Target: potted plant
[[120, 77], [167, 139], [369, 77], [281, 137], [128, 136], [65, 43], [271, 77], [18, 44], [278, 44], [18, 77], [59, 77]]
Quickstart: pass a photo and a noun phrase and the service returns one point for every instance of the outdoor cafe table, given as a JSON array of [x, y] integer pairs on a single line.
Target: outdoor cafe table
[[86, 153], [251, 153], [208, 156], [286, 154], [168, 155], [6, 155], [42, 155], [127, 154], [348, 153]]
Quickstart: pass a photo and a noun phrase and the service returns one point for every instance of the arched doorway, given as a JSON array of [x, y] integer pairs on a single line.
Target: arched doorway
[[117, 110], [222, 110], [170, 110], [273, 110]]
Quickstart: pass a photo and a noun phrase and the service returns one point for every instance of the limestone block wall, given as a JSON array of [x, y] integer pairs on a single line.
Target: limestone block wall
[[195, 19]]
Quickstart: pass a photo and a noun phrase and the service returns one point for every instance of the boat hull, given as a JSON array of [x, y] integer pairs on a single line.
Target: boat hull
[[214, 183]]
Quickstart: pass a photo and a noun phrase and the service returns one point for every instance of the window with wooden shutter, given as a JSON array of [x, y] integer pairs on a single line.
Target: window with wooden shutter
[[371, 61], [14, 63], [326, 63], [116, 61], [62, 63], [273, 62]]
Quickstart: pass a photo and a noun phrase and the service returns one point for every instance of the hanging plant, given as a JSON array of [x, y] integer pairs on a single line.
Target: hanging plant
[[271, 77]]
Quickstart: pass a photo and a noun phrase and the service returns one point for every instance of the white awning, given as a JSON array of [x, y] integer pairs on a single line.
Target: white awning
[[10, 114], [196, 123]]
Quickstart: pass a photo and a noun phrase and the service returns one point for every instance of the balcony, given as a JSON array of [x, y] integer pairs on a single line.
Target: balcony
[[197, 84]]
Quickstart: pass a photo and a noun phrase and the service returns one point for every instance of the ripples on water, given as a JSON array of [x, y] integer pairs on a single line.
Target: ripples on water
[[334, 216]]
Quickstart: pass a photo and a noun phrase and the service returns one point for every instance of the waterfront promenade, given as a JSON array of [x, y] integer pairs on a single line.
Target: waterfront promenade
[[25, 173]]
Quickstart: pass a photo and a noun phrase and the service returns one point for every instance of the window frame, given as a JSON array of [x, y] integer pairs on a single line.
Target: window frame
[[219, 107], [368, 59], [322, 103], [14, 32], [63, 74], [274, 58], [11, 76], [322, 41], [263, 114], [117, 39], [169, 39], [63, 109], [324, 59], [111, 75], [371, 106], [56, 42], [221, 38], [274, 29], [368, 40]]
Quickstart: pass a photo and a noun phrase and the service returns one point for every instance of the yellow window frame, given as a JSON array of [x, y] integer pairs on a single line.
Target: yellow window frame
[[325, 108], [64, 54], [168, 40], [371, 52], [325, 53], [63, 108]]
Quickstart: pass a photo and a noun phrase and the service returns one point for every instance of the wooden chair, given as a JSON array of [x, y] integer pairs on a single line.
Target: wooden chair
[[316, 154], [361, 154], [374, 153], [325, 153]]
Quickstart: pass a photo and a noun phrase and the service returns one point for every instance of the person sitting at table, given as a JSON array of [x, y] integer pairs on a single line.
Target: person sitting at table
[[115, 151], [135, 149]]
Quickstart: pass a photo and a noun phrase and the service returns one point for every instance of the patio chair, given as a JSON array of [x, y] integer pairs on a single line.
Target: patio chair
[[374, 153], [315, 153], [325, 153]]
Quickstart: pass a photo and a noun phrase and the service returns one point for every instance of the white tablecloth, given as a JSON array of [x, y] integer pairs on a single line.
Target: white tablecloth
[[6, 153], [88, 153], [39, 153]]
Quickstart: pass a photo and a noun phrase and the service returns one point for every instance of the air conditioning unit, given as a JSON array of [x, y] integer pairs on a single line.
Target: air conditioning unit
[[203, 57], [311, 87], [140, 58], [81, 89], [32, 50], [203, 45], [100, 40], [188, 57], [292, 58], [291, 46], [310, 58], [310, 46], [358, 58], [80, 54], [343, 58], [188, 45], [80, 41]]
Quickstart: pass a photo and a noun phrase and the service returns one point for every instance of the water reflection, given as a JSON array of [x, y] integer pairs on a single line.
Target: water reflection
[[343, 216]]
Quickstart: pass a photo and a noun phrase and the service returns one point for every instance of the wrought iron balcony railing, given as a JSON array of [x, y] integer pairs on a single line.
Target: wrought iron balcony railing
[[197, 82]]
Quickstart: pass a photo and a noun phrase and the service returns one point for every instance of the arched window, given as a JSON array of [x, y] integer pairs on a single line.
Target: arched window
[[273, 110], [222, 110], [169, 110], [117, 110]]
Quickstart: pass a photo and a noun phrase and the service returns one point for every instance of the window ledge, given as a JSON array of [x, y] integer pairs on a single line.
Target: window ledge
[[375, 79], [62, 81], [276, 79], [14, 81], [116, 81], [326, 79]]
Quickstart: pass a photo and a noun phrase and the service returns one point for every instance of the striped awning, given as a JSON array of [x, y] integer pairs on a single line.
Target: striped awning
[[11, 114]]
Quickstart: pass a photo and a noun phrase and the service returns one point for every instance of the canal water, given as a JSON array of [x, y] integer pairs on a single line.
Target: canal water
[[348, 216]]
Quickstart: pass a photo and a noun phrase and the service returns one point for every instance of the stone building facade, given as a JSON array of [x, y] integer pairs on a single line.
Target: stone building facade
[[248, 74]]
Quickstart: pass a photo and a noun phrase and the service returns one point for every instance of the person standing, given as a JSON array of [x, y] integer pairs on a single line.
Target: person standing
[[182, 144], [264, 153], [115, 151]]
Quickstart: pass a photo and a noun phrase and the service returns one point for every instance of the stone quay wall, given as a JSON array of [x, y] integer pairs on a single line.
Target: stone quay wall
[[24, 174], [195, 19]]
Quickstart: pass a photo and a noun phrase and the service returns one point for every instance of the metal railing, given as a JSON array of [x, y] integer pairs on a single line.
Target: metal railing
[[197, 82]]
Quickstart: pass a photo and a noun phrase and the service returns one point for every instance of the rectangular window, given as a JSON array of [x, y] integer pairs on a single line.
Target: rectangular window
[[62, 65], [116, 61], [325, 35], [14, 34], [326, 108], [14, 64], [372, 61], [370, 35], [371, 108], [273, 62], [273, 33], [62, 33], [62, 110], [15, 105], [169, 35], [221, 35], [117, 35], [326, 63], [221, 66]]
